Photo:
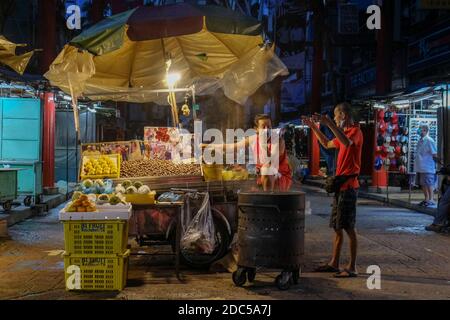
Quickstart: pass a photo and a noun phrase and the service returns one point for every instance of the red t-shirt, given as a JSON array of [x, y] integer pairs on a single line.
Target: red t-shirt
[[349, 158]]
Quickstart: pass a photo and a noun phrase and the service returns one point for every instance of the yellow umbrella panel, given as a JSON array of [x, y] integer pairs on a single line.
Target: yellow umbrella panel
[[124, 57], [8, 56]]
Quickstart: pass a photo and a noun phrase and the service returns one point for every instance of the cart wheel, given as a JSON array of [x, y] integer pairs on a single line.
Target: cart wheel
[[239, 277], [204, 261], [27, 201], [7, 205], [296, 276], [284, 280], [251, 274]]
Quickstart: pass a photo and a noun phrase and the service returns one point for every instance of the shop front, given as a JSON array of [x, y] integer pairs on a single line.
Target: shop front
[[397, 130]]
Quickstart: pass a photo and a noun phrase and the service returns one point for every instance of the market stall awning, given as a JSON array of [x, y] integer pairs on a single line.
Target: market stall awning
[[8, 55], [124, 57]]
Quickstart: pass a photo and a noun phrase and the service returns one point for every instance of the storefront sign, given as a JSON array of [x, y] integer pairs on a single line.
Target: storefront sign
[[434, 4], [432, 49]]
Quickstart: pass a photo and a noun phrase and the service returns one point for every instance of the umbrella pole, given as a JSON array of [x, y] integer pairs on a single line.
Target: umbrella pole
[[77, 125], [175, 109]]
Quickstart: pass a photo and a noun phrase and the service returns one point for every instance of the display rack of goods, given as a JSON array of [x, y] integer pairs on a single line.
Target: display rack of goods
[[392, 141], [136, 192], [99, 167], [157, 168]]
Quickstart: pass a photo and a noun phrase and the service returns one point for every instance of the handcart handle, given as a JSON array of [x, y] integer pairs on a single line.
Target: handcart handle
[[251, 205]]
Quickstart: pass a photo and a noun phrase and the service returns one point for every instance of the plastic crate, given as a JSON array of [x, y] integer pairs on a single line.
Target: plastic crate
[[98, 273], [116, 158], [142, 199], [212, 172], [96, 237], [104, 212]]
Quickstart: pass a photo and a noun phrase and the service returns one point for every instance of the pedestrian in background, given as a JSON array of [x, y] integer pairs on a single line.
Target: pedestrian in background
[[425, 165]]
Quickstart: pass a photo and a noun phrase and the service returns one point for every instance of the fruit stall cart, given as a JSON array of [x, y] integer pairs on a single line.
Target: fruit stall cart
[[85, 69], [158, 222]]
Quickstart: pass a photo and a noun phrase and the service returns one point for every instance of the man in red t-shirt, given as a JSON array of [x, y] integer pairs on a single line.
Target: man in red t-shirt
[[348, 141]]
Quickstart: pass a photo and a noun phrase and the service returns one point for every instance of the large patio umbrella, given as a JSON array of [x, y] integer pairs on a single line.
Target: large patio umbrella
[[8, 55], [127, 56]]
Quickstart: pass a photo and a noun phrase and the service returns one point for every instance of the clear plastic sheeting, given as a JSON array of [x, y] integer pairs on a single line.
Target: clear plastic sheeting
[[257, 67]]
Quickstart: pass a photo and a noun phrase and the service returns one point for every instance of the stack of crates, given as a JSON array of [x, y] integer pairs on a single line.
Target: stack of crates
[[96, 256]]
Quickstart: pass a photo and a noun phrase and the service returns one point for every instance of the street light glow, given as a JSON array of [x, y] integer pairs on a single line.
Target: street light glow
[[172, 78]]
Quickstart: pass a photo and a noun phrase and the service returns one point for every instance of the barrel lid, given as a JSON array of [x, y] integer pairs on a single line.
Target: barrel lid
[[274, 194]]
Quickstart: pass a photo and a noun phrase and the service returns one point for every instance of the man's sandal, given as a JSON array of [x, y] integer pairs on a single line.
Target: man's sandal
[[346, 274]]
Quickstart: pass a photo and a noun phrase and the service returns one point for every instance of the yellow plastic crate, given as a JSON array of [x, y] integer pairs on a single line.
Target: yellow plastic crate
[[212, 172], [136, 198], [97, 273], [116, 158], [234, 175], [93, 238]]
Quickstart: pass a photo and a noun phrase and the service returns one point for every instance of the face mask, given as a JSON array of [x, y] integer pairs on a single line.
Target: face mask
[[264, 135]]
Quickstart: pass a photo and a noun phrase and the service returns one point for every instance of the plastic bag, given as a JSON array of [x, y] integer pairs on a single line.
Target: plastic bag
[[170, 197], [200, 233]]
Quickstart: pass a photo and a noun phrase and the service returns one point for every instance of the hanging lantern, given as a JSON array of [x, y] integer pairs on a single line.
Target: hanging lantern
[[185, 109]]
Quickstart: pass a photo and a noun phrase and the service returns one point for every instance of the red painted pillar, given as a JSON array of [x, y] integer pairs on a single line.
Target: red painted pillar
[[47, 33], [316, 94], [48, 140], [384, 73]]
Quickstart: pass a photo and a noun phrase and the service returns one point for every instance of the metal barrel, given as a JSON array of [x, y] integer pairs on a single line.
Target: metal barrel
[[271, 229]]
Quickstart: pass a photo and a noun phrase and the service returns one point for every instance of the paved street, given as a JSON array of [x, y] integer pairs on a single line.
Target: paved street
[[415, 264]]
